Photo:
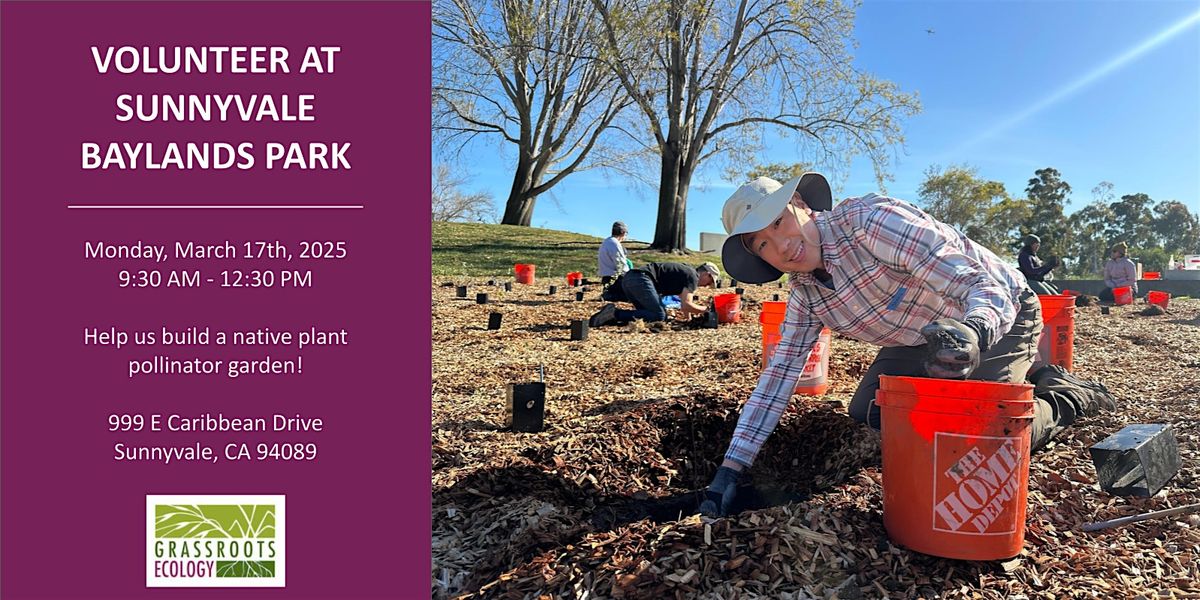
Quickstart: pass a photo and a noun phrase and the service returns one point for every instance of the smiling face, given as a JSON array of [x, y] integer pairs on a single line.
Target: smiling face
[[791, 243]]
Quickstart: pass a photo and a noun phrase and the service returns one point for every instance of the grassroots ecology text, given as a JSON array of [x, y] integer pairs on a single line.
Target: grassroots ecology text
[[196, 62]]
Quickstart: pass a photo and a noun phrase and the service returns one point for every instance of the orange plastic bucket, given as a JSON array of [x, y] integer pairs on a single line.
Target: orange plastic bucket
[[728, 307], [1123, 295], [955, 465], [957, 389], [525, 273], [814, 379], [574, 278], [1159, 298], [772, 315], [770, 341], [1057, 344]]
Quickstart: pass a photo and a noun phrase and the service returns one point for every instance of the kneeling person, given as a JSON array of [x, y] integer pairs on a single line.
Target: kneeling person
[[882, 271], [645, 286]]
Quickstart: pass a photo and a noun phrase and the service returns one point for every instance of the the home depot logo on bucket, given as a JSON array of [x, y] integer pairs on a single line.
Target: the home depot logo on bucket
[[975, 492], [812, 366]]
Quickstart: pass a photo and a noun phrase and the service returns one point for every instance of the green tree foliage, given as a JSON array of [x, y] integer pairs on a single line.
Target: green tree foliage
[[1048, 196], [525, 72], [981, 209], [1177, 229], [1153, 232], [1005, 217], [1169, 229], [1153, 258], [1133, 222], [984, 212], [710, 77], [781, 172], [1103, 192]]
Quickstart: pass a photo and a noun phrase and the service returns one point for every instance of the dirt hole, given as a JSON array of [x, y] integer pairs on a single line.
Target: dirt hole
[[694, 440], [508, 514], [810, 449], [648, 370], [1142, 340]]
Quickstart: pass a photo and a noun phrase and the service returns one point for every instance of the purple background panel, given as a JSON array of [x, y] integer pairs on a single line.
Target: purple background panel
[[358, 518]]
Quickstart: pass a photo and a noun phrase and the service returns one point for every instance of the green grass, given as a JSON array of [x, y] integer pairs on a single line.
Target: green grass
[[480, 250]]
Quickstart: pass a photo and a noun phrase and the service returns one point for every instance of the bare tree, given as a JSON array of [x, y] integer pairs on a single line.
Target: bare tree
[[710, 76], [451, 204], [525, 72]]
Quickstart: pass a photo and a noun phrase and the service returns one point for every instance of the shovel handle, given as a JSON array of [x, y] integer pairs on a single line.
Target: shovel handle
[[1169, 512]]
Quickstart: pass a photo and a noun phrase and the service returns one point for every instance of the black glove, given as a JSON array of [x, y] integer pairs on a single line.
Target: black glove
[[953, 347], [718, 498]]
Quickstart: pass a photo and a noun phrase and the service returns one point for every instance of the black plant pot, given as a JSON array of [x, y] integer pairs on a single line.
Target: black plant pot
[[526, 406]]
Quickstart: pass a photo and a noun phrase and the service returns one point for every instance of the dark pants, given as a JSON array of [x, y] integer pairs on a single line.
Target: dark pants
[[639, 289], [1042, 288], [1009, 360]]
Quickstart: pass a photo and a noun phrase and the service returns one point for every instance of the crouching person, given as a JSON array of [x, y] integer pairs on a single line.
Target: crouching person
[[645, 286], [882, 271]]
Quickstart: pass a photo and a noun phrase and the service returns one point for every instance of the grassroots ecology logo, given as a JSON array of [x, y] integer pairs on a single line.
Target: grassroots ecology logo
[[215, 541]]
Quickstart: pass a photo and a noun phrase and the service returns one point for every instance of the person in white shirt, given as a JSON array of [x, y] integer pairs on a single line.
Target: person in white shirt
[[613, 260]]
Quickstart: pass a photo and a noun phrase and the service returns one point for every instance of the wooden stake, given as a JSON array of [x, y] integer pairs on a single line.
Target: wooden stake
[[1170, 512]]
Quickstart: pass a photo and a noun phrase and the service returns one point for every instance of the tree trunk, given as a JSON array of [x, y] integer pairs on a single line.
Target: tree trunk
[[519, 208], [670, 232]]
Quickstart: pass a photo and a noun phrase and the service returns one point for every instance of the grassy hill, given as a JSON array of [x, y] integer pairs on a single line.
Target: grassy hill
[[480, 249]]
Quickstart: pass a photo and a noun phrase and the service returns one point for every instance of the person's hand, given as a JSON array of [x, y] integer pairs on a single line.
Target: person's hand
[[952, 349], [719, 496]]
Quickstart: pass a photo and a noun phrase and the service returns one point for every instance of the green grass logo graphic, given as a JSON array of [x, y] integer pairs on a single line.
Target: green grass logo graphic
[[216, 540], [231, 521]]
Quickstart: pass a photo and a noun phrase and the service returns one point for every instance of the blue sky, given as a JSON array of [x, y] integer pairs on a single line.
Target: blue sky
[[1100, 90]]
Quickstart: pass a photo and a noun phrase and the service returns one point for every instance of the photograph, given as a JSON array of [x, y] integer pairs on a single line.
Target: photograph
[[815, 299]]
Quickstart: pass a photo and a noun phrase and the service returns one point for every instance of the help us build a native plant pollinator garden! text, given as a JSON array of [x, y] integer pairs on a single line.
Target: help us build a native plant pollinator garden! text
[[260, 61]]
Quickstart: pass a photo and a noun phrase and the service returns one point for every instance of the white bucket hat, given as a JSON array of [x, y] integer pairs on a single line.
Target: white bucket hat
[[752, 207], [712, 270]]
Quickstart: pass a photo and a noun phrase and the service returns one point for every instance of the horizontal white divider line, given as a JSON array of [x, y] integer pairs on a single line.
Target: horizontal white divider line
[[215, 206]]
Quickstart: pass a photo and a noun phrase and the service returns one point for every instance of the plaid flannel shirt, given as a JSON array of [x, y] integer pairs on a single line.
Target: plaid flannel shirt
[[895, 269]]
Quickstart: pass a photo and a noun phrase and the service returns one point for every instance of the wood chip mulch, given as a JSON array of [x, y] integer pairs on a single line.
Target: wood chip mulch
[[601, 503]]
